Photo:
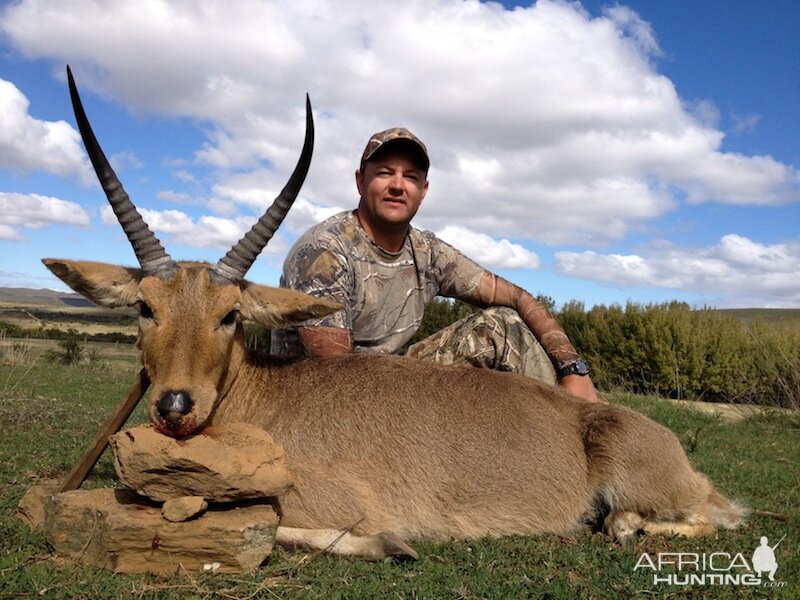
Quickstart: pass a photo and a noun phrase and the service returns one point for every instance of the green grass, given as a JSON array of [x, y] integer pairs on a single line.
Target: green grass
[[50, 413]]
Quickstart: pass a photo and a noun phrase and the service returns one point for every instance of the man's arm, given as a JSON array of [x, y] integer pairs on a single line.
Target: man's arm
[[317, 269], [325, 341], [496, 291]]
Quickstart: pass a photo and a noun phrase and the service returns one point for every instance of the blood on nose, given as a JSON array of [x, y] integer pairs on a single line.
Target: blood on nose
[[174, 404]]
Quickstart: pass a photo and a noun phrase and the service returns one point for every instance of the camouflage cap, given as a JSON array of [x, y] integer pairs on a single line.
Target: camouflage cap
[[394, 135]]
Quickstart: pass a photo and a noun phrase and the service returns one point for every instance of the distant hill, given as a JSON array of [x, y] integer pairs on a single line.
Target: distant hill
[[776, 316], [42, 297]]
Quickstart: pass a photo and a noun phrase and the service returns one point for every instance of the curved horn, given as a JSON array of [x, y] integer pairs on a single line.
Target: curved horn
[[149, 251], [235, 264]]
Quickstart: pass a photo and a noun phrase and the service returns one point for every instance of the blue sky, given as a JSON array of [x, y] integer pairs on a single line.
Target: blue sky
[[605, 152]]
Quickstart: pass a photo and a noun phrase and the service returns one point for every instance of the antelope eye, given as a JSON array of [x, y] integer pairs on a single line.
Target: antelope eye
[[144, 310], [229, 319]]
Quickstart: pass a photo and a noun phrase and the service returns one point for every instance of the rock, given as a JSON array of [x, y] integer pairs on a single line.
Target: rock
[[31, 507], [231, 462], [184, 508], [115, 530]]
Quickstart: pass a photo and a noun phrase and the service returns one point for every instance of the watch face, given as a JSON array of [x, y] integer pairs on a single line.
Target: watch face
[[579, 367]]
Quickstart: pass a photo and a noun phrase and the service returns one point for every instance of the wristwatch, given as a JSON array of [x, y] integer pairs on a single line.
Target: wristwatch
[[578, 367]]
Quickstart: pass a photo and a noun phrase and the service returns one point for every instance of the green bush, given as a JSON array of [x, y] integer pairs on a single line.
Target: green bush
[[53, 333], [670, 350], [72, 349], [11, 330]]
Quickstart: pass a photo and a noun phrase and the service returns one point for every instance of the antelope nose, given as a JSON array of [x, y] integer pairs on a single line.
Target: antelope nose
[[174, 404]]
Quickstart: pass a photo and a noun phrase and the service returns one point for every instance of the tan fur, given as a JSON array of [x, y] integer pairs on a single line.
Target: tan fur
[[380, 444]]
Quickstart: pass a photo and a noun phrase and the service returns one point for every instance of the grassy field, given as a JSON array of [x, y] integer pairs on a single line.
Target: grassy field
[[780, 317], [49, 413], [45, 309], [84, 320]]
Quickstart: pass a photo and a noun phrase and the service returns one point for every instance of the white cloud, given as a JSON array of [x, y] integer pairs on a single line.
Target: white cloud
[[177, 197], [638, 31], [745, 123], [29, 144], [183, 175], [220, 207], [10, 234], [745, 272], [487, 252], [304, 214], [177, 227], [125, 160], [257, 190], [543, 123], [31, 280], [32, 211], [705, 111]]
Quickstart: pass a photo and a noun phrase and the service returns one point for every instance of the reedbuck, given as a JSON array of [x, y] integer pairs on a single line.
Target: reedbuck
[[383, 448]]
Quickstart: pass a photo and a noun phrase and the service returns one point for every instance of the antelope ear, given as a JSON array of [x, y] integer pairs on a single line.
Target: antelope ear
[[280, 307], [103, 284]]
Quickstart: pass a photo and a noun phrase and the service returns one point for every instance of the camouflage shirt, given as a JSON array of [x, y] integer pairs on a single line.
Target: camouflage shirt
[[383, 294]]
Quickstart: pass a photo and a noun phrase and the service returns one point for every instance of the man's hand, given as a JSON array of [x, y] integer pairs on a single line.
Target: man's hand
[[581, 386], [325, 341]]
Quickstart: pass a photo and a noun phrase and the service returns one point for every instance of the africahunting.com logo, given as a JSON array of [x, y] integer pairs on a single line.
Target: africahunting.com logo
[[715, 568]]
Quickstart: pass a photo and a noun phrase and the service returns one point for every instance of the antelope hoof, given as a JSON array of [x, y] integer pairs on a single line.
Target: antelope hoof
[[623, 526], [396, 548]]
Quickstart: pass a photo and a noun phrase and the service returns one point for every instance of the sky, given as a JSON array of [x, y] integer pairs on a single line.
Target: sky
[[640, 151]]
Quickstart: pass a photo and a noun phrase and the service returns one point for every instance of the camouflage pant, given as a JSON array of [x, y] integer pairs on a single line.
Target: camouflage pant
[[495, 338]]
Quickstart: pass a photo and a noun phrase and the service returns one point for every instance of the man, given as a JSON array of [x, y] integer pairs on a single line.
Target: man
[[383, 272]]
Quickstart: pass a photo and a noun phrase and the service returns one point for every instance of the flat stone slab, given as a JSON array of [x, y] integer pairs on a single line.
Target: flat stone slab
[[183, 509], [232, 462], [118, 530], [31, 507]]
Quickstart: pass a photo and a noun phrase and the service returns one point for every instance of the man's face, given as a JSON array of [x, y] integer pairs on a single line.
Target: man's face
[[392, 188]]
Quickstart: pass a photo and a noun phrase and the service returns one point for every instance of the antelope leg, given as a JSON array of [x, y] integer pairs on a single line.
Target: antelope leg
[[336, 541]]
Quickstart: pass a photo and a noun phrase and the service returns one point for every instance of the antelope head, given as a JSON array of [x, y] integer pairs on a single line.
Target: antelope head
[[190, 313]]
